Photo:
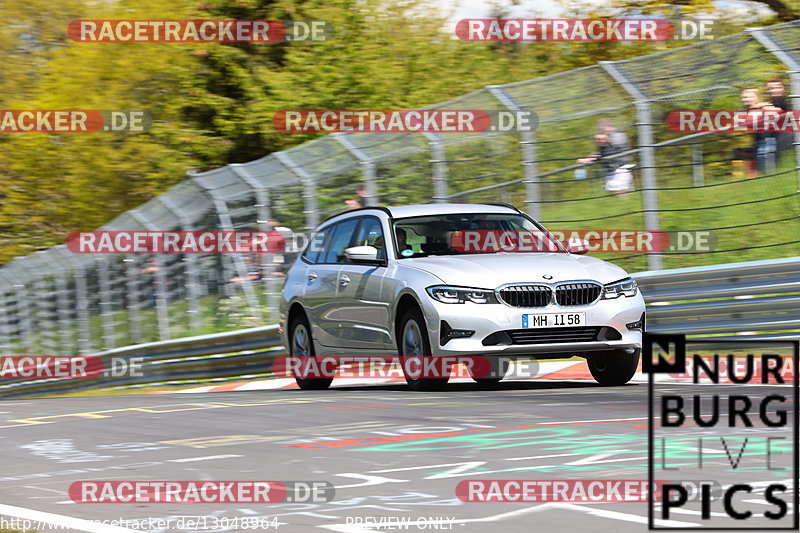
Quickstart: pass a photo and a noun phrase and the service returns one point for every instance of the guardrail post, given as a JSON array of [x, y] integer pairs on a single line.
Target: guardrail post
[[367, 167], [309, 189], [439, 164], [528, 148], [647, 156], [766, 40]]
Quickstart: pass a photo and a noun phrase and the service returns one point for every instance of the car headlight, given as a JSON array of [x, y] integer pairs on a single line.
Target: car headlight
[[459, 295], [627, 287]]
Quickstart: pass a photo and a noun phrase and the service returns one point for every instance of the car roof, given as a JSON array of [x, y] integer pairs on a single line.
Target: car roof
[[421, 210]]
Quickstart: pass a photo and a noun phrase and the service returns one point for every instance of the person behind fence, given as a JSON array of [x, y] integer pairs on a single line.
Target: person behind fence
[[618, 177], [777, 98], [150, 274], [616, 136], [760, 156], [278, 258]]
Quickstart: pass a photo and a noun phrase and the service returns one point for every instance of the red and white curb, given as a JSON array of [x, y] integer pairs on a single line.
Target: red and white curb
[[551, 370], [547, 370]]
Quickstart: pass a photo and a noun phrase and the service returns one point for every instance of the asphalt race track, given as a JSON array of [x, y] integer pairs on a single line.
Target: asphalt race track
[[392, 455]]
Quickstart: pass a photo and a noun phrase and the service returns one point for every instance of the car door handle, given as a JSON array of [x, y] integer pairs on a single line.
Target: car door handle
[[344, 279], [312, 276]]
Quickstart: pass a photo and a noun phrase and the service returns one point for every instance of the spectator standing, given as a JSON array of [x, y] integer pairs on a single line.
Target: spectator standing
[[618, 178], [777, 98]]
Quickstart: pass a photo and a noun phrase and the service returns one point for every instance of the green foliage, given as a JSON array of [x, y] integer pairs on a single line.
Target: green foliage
[[212, 103]]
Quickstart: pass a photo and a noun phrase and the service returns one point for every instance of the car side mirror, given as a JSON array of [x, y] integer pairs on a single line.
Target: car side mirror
[[577, 246], [363, 254]]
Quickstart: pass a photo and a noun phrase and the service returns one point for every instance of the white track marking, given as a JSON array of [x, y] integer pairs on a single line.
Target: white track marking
[[615, 515], [42, 519], [205, 458]]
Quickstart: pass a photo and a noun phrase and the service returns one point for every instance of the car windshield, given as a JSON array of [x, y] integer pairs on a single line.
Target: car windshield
[[471, 233]]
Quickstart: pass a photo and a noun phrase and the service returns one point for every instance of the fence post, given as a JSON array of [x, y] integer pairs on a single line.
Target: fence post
[[226, 223], [162, 312], [82, 307], [192, 277], [62, 302], [23, 313], [105, 303], [766, 40], [132, 269], [644, 128], [367, 167], [309, 189], [263, 218], [697, 165], [528, 149], [5, 328], [439, 163]]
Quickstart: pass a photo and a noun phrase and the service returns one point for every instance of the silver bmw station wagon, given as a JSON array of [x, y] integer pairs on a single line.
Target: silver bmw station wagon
[[421, 281]]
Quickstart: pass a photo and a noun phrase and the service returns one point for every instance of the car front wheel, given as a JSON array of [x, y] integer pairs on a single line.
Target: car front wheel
[[414, 349], [613, 367]]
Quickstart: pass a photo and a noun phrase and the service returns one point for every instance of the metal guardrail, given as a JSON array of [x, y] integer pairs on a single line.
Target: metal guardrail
[[219, 355], [754, 300]]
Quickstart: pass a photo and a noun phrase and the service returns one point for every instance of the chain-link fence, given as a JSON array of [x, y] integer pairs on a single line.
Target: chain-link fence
[[56, 301]]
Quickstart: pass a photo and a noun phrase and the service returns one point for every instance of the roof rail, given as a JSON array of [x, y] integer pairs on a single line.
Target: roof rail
[[378, 207], [503, 204]]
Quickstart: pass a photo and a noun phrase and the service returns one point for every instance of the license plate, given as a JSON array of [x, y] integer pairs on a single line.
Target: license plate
[[553, 320]]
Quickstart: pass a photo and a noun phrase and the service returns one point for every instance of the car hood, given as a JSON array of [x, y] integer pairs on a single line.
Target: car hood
[[489, 271]]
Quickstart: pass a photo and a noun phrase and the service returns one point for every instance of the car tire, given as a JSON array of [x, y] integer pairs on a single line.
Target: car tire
[[496, 371], [414, 342], [301, 344], [614, 367]]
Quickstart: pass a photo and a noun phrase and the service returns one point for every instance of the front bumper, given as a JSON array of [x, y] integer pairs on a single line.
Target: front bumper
[[501, 326]]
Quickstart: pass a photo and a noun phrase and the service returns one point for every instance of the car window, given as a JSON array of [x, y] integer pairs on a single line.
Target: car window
[[471, 233], [316, 246], [370, 233], [340, 240]]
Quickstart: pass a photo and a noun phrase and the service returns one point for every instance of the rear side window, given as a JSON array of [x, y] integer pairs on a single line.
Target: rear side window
[[334, 253]]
